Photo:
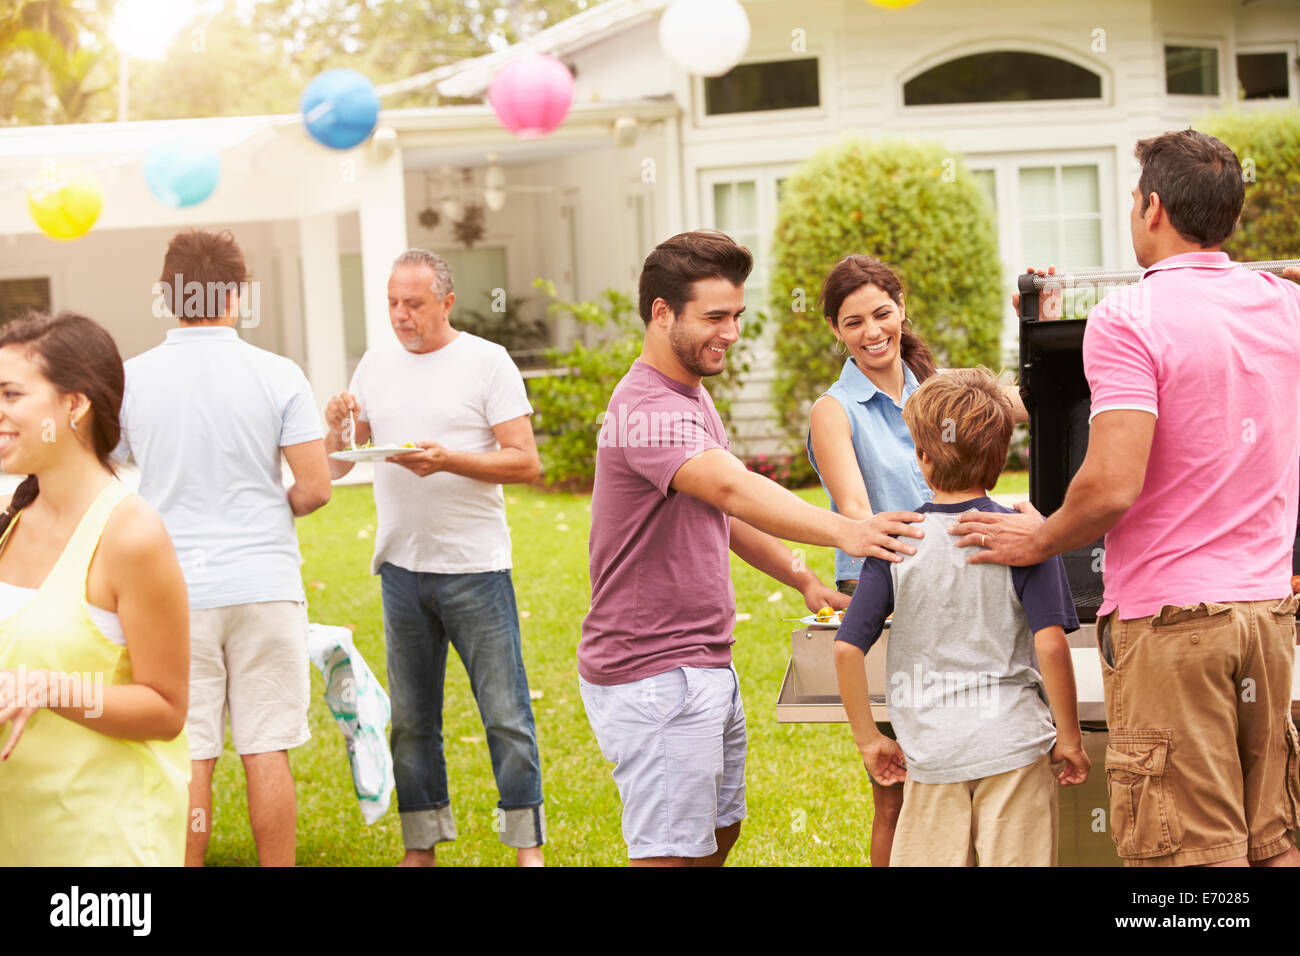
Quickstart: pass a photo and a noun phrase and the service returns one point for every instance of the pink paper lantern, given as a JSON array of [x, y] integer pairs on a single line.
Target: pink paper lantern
[[532, 95]]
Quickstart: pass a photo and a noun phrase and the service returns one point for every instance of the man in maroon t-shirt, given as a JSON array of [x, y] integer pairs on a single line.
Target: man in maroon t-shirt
[[669, 501]]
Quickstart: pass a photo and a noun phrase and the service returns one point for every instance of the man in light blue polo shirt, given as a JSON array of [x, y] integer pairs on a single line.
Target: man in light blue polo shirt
[[206, 417]]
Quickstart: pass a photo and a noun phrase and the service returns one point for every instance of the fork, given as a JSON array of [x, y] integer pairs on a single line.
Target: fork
[[352, 433]]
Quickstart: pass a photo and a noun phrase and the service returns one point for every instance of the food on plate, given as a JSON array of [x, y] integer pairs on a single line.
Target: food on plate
[[827, 615], [405, 444]]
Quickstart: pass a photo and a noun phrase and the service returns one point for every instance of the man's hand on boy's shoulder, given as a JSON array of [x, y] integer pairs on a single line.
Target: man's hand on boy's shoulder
[[884, 760], [1002, 538], [1077, 764]]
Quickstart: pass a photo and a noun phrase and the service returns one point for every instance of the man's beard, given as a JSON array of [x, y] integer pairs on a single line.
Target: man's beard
[[683, 348]]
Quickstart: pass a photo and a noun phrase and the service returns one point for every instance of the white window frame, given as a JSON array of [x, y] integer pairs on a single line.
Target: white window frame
[[1207, 43], [765, 178], [645, 241], [1006, 180], [1002, 107], [825, 76], [1293, 82]]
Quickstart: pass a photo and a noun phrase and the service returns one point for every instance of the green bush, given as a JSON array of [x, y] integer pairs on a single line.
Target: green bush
[[915, 207], [1268, 144], [569, 407]]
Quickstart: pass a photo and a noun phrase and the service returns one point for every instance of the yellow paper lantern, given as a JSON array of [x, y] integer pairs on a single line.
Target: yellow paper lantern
[[893, 4], [65, 203]]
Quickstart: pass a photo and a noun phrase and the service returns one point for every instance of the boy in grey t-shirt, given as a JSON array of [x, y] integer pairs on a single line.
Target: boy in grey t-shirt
[[977, 661]]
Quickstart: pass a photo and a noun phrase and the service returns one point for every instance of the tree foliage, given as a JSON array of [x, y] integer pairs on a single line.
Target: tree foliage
[[241, 60], [54, 62], [914, 206], [69, 73], [569, 406]]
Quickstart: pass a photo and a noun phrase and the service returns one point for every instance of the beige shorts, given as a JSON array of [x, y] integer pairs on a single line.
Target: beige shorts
[[1009, 819], [1203, 759], [249, 659]]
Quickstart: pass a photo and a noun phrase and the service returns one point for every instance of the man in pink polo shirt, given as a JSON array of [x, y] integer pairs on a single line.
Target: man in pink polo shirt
[[1192, 471]]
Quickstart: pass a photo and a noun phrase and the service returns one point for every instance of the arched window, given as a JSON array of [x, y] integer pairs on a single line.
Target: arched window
[[1002, 76]]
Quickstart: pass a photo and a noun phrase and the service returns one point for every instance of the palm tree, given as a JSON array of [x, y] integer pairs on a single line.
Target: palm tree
[[61, 19], [67, 71], [43, 38]]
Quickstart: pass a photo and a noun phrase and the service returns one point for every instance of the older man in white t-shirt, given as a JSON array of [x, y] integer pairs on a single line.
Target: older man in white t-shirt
[[442, 550]]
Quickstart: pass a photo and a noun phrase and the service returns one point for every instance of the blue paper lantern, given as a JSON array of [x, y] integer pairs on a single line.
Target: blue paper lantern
[[340, 108], [180, 174]]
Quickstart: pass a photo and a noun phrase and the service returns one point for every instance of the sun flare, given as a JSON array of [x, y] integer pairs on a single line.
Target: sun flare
[[144, 29]]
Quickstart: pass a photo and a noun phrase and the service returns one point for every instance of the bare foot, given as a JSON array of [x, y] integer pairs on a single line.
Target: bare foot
[[419, 858], [530, 856]]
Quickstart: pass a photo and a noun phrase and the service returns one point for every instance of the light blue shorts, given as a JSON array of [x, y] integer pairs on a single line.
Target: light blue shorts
[[677, 741]]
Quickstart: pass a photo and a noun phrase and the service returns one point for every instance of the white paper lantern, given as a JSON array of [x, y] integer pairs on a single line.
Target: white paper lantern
[[707, 37]]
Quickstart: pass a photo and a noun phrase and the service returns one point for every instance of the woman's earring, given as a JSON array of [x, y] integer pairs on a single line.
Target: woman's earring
[[72, 422], [841, 348]]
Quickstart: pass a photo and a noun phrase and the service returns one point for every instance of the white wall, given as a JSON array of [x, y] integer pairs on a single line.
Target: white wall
[[109, 275], [626, 66]]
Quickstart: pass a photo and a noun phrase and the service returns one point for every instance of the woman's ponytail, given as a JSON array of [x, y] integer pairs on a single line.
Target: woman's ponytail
[[917, 356], [24, 495]]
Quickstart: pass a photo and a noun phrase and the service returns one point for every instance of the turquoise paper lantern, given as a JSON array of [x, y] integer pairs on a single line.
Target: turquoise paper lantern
[[181, 175], [340, 108]]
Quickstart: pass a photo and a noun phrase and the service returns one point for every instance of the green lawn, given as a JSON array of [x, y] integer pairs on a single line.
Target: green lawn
[[809, 801], [1013, 483]]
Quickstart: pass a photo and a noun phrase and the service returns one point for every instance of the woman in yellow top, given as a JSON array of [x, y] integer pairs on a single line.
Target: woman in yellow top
[[94, 620]]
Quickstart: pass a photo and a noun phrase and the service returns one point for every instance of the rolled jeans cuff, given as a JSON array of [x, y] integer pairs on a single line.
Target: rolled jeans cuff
[[522, 827], [422, 829]]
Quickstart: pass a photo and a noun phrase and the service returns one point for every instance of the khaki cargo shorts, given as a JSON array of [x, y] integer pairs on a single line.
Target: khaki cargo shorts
[[1203, 763]]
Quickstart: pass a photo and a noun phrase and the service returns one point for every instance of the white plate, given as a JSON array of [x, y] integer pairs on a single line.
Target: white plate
[[374, 453], [811, 621]]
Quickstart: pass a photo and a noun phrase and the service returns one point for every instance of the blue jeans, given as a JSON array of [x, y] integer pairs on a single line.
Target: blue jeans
[[476, 613]]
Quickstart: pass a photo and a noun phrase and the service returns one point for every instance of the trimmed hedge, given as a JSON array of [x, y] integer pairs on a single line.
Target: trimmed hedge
[[914, 206], [1268, 144]]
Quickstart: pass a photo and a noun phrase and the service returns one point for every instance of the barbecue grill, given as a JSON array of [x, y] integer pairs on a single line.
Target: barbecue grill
[[1057, 397], [1056, 394]]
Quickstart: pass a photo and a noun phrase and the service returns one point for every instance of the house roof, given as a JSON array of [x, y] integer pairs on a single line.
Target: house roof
[[137, 136], [472, 77], [463, 135], [428, 135]]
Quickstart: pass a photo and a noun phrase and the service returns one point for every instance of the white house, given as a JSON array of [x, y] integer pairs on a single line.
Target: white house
[[1044, 100]]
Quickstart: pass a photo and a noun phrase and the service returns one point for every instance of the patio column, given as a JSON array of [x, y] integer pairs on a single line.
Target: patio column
[[322, 304], [288, 269], [383, 237]]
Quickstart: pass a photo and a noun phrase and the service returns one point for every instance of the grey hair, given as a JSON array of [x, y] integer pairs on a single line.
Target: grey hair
[[423, 257]]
